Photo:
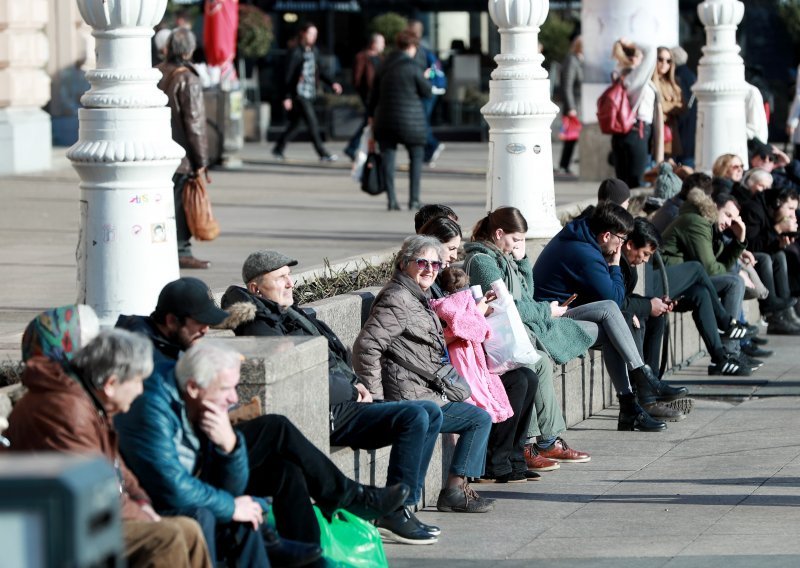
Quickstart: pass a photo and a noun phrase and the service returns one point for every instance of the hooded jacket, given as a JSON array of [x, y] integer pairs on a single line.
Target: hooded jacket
[[401, 324], [573, 263], [253, 315], [757, 217], [59, 414], [563, 338], [693, 235]]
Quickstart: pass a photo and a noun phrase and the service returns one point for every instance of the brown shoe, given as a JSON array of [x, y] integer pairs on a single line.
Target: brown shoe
[[561, 452], [192, 262], [535, 462]]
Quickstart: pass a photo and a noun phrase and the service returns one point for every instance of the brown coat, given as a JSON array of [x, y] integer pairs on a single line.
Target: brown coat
[[57, 414], [401, 323], [185, 93]]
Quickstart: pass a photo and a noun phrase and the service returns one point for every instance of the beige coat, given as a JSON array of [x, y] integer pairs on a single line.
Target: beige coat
[[400, 323]]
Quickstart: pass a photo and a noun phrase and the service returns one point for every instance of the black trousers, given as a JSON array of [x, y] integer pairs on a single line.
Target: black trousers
[[792, 253], [690, 283], [506, 446], [302, 110], [631, 156], [566, 154], [649, 337], [389, 155], [286, 466]]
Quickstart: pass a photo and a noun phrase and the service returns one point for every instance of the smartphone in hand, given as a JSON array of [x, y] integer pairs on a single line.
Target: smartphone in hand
[[569, 300]]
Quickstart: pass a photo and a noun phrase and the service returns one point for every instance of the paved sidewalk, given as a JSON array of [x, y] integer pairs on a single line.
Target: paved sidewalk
[[720, 489], [307, 210]]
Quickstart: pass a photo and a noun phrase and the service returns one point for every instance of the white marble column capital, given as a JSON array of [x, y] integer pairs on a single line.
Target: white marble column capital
[[512, 14], [721, 12], [114, 14]]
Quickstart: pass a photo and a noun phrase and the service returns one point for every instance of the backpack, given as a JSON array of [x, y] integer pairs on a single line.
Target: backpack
[[614, 112]]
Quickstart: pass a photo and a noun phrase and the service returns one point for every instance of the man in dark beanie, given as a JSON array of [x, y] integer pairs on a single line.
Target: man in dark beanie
[[615, 191]]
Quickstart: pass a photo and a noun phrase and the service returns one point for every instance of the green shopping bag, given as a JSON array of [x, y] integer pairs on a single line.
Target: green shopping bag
[[349, 541]]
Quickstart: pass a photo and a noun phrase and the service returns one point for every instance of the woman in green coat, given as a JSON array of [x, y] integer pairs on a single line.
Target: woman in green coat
[[497, 252]]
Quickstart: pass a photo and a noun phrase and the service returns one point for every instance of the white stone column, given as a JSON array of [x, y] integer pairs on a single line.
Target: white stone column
[[603, 22], [519, 114], [720, 87], [24, 87], [125, 157]]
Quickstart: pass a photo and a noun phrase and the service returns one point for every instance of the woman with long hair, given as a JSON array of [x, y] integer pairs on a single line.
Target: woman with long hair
[[671, 99]]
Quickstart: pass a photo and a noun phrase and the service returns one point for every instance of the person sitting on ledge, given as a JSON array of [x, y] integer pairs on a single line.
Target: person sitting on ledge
[[266, 308], [76, 383], [178, 439]]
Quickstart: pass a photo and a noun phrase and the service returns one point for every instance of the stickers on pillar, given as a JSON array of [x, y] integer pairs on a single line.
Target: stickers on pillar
[[515, 148], [145, 199], [536, 149], [158, 232], [136, 230], [109, 233]]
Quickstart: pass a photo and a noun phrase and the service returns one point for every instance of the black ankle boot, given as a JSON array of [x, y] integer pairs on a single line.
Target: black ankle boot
[[655, 387], [633, 417]]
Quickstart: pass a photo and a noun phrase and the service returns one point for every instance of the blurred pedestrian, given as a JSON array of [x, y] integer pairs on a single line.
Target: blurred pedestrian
[[397, 115], [364, 69], [571, 79], [303, 74], [687, 122], [432, 71], [181, 83]]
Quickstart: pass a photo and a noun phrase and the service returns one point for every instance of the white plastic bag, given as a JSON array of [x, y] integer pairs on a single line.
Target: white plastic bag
[[509, 346], [361, 155]]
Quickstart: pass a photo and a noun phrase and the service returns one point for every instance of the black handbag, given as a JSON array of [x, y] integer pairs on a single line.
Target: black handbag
[[446, 381], [372, 181]]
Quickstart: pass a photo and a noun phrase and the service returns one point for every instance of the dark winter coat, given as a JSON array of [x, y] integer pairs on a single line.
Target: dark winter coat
[[573, 263], [757, 217], [562, 338], [184, 91], [635, 304], [694, 236], [294, 70], [395, 103]]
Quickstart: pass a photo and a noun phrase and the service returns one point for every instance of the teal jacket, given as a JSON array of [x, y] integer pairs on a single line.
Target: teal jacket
[[693, 236], [562, 338]]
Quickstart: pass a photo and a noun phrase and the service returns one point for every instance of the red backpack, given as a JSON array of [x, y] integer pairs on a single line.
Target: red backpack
[[614, 113]]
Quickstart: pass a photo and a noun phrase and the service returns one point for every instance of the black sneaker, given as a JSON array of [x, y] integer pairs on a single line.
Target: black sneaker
[[739, 331], [729, 366], [513, 477], [759, 340], [373, 502], [329, 158], [462, 499], [400, 527], [430, 529], [278, 155], [753, 350], [750, 362]]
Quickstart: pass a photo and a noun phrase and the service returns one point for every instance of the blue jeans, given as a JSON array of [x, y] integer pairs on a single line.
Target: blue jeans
[[410, 427], [473, 425], [235, 543]]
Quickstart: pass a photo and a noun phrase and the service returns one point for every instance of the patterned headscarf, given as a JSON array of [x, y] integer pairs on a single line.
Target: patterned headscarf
[[59, 333]]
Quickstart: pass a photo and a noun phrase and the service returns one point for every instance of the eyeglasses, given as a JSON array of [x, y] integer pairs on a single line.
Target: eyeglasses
[[737, 166], [622, 239], [664, 60], [425, 264]]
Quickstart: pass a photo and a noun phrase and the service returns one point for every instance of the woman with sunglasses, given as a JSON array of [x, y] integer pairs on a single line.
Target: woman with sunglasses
[[671, 99], [497, 251], [728, 171], [399, 350]]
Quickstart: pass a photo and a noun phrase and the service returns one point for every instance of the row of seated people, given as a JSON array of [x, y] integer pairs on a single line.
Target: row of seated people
[[188, 460]]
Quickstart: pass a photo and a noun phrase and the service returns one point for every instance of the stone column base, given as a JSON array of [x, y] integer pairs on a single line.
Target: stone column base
[[26, 138]]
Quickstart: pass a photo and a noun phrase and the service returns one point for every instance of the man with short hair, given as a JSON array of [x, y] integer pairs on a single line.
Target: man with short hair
[[583, 258], [181, 83], [178, 438], [266, 308]]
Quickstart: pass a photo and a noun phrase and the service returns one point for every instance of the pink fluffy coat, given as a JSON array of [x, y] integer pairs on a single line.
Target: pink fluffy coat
[[463, 321]]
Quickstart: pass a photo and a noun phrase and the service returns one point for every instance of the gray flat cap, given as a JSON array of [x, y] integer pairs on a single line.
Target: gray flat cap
[[263, 261]]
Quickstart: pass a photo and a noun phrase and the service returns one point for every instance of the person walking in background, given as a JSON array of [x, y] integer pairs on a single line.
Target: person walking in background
[[364, 68], [432, 71], [397, 115], [303, 74], [181, 83], [571, 80]]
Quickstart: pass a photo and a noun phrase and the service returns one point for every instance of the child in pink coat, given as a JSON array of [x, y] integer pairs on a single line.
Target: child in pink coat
[[465, 329]]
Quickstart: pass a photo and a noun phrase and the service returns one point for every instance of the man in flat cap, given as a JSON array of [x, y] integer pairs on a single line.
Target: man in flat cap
[[178, 439], [265, 306]]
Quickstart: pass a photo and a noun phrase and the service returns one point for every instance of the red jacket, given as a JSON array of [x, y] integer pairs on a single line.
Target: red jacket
[[57, 414]]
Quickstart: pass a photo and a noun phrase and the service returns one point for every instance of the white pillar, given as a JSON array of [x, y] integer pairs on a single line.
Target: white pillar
[[125, 157], [720, 87], [603, 22], [519, 114], [24, 87]]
